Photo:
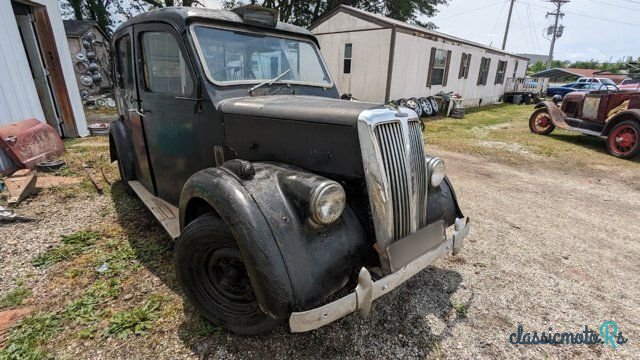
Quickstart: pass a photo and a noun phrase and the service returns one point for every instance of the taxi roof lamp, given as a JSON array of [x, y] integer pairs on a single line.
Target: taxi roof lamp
[[258, 15]]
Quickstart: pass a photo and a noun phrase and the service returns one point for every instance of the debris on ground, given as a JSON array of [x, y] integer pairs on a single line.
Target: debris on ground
[[88, 168], [50, 165], [20, 185], [8, 318], [10, 215]]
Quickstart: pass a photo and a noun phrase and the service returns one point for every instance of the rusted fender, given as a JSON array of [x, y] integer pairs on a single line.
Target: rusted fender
[[557, 115], [29, 142], [629, 114]]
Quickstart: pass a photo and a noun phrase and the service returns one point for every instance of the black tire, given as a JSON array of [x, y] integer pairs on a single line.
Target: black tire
[[624, 139], [414, 105], [434, 105], [123, 177], [427, 110], [211, 272], [402, 102], [535, 124]]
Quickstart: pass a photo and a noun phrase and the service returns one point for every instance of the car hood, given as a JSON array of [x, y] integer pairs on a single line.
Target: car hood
[[301, 108]]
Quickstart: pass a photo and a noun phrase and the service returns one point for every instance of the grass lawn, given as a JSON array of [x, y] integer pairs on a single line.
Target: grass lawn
[[501, 132]]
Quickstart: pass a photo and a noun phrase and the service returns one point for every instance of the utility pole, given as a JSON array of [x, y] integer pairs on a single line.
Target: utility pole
[[558, 15], [506, 30]]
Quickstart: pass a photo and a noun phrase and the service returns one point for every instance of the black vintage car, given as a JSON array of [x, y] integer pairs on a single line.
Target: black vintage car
[[277, 192]]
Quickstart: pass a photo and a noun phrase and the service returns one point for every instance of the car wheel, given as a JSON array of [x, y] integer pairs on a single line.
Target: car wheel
[[540, 122], [426, 106], [402, 102], [414, 105], [434, 105], [624, 140], [211, 272]]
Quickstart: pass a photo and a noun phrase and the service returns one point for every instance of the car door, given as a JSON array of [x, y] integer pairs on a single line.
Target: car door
[[129, 105], [175, 130]]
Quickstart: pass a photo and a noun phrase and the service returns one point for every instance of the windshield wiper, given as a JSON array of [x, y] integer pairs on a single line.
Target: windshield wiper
[[270, 82]]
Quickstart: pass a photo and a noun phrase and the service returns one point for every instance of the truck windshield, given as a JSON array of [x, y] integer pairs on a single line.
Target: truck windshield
[[232, 57]]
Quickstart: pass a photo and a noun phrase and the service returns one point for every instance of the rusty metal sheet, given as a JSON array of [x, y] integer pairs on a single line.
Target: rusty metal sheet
[[29, 142]]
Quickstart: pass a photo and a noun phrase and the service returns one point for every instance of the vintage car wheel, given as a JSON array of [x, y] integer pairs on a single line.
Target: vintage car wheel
[[624, 140], [414, 105], [540, 122], [434, 105], [402, 102], [211, 271], [426, 106]]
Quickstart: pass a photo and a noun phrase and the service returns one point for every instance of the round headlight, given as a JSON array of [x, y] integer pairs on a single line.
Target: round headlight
[[326, 202], [437, 171]]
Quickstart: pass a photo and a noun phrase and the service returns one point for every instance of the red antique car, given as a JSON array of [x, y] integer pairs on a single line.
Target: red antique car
[[613, 115]]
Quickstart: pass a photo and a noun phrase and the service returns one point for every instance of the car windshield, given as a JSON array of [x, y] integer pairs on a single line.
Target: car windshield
[[238, 57], [607, 81]]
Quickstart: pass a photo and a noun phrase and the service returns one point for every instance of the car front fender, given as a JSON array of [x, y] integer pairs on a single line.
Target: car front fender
[[292, 262]]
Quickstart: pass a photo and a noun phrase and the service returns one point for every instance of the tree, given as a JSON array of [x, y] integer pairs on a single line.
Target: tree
[[305, 12]]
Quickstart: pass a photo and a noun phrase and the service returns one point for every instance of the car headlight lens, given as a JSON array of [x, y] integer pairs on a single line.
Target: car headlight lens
[[326, 202], [437, 171]]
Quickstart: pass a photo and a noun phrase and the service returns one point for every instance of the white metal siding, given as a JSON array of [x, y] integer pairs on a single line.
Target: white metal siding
[[18, 95], [344, 22], [368, 78]]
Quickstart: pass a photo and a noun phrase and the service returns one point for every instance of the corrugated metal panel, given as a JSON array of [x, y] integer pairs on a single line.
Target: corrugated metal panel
[[18, 95]]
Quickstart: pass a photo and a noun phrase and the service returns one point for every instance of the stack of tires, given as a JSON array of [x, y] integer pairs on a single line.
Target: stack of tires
[[424, 106]]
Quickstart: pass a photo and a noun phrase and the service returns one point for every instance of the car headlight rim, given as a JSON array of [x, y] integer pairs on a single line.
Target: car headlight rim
[[326, 203], [437, 171]]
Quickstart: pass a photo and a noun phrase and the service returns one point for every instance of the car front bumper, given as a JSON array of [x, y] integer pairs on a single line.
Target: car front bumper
[[368, 290]]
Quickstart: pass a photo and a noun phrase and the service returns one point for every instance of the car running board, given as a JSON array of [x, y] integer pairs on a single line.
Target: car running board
[[166, 213]]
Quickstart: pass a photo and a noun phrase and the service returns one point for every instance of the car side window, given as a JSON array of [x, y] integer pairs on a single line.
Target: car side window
[[165, 69], [125, 68]]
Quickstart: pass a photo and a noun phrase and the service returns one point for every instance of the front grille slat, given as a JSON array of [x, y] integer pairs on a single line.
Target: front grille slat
[[396, 162]]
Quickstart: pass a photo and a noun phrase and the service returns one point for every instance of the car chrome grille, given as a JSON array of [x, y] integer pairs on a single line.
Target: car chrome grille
[[394, 162], [394, 158], [419, 169]]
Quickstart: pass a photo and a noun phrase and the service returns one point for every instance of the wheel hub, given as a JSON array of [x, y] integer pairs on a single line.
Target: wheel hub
[[542, 121], [624, 139]]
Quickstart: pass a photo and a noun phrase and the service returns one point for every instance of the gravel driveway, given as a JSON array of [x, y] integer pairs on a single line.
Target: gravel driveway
[[550, 247]]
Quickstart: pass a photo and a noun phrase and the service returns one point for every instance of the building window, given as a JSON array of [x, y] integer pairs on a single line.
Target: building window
[[485, 63], [438, 67], [166, 71], [515, 70], [502, 69], [465, 63], [347, 59]]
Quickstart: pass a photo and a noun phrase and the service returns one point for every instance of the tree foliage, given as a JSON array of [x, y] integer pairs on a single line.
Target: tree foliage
[[305, 12]]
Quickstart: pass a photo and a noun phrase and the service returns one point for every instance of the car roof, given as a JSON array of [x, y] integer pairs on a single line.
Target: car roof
[[181, 17]]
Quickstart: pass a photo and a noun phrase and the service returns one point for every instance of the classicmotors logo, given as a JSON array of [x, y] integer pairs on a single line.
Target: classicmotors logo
[[608, 334]]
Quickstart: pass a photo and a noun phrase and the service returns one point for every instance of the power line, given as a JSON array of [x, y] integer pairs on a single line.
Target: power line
[[613, 5], [588, 16], [524, 35], [471, 10], [554, 35], [495, 27], [532, 26]]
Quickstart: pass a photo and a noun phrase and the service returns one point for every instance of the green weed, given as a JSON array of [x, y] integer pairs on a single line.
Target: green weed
[[137, 321], [15, 297], [28, 338], [70, 246]]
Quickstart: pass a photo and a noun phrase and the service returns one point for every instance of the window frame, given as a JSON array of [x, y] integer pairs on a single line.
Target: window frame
[[501, 73], [483, 61], [118, 63], [465, 64], [143, 63], [515, 69], [345, 58], [205, 68], [432, 67]]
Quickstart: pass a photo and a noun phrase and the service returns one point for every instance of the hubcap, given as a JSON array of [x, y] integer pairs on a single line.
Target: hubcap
[[542, 121], [624, 139]]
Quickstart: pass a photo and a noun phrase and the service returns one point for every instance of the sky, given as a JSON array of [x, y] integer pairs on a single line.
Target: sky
[[604, 30]]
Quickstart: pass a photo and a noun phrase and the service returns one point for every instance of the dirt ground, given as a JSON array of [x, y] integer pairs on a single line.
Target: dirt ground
[[554, 244]]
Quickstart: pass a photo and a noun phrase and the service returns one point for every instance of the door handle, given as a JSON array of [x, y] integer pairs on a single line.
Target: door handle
[[137, 111]]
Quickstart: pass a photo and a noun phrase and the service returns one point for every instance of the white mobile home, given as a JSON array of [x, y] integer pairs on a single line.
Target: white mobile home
[[379, 59]]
